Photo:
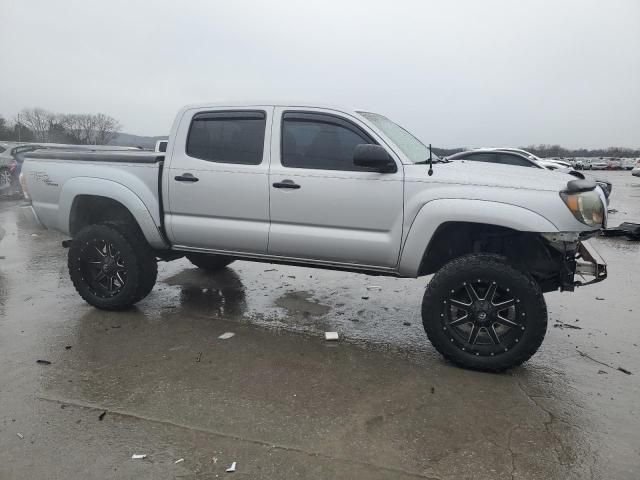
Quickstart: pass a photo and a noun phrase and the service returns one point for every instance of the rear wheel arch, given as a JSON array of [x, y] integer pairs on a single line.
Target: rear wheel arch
[[93, 209], [103, 197]]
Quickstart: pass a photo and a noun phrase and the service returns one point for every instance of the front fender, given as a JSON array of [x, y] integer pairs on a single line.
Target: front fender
[[114, 191], [436, 212]]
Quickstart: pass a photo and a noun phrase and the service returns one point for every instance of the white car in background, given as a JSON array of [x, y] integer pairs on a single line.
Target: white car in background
[[552, 164], [161, 146], [599, 164], [521, 158], [636, 169]]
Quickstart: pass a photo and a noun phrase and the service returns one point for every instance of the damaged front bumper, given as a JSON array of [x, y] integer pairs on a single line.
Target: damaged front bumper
[[578, 258], [589, 263]]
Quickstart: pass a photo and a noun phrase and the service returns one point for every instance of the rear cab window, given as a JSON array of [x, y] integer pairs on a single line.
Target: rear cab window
[[235, 137]]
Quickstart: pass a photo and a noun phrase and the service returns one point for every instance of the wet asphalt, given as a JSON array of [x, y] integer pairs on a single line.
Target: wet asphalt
[[283, 403]]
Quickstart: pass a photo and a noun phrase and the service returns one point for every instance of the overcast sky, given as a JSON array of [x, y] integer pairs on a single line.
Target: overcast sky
[[456, 73]]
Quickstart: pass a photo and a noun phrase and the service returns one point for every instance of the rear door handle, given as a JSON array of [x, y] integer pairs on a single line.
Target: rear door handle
[[286, 184], [186, 177]]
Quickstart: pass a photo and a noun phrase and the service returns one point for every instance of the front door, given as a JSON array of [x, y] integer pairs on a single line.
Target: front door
[[323, 207], [217, 181]]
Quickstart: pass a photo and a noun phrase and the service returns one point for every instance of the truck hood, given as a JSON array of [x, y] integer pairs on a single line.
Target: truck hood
[[490, 175]]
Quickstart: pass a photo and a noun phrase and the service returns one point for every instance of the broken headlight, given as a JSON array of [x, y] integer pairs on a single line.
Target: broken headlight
[[587, 207]]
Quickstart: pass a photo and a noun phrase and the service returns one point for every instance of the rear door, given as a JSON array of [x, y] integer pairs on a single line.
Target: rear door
[[323, 207], [512, 159], [487, 157], [217, 180]]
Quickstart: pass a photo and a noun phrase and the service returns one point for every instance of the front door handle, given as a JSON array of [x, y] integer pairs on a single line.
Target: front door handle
[[186, 177], [286, 184]]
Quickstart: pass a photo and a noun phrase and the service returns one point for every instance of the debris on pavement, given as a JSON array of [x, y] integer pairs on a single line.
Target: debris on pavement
[[214, 459], [331, 336], [365, 298], [199, 357], [374, 287], [599, 298], [137, 456], [20, 435], [180, 460], [406, 324], [563, 325], [625, 229], [68, 347], [226, 335], [43, 362], [101, 416], [602, 372], [586, 355], [232, 468], [620, 369]]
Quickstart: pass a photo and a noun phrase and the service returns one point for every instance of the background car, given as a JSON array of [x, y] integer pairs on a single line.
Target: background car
[[636, 169], [505, 156], [628, 163], [10, 165], [599, 164], [522, 158], [614, 164]]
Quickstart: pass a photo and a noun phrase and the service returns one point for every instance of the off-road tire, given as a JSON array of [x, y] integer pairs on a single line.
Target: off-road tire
[[210, 263], [140, 263], [149, 262], [531, 310]]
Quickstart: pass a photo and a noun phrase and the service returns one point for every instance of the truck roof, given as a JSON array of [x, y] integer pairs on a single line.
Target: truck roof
[[269, 103]]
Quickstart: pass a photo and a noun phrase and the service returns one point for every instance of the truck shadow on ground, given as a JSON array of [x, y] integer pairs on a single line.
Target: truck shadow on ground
[[215, 294]]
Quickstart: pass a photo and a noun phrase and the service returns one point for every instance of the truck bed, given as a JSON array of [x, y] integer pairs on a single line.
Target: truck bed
[[97, 156], [133, 178]]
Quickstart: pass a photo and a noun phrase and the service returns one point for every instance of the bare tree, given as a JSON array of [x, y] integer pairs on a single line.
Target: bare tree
[[106, 128], [89, 129], [39, 121]]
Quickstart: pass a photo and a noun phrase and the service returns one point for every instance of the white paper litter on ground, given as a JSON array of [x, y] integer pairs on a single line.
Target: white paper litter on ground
[[226, 335], [374, 287], [331, 335], [136, 456], [180, 460], [232, 468], [20, 435]]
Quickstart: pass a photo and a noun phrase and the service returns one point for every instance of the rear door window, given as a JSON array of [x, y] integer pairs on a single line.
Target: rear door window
[[320, 141], [509, 159], [482, 157], [227, 137]]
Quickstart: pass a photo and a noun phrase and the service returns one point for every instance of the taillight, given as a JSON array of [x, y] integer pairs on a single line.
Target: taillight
[[23, 184]]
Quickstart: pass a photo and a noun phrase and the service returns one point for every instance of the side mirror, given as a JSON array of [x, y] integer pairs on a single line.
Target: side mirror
[[374, 156]]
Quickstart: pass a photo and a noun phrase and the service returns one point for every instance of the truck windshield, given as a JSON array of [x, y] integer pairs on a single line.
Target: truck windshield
[[413, 148]]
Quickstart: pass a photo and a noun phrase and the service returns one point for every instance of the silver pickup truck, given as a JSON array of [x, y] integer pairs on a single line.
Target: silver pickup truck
[[332, 188]]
